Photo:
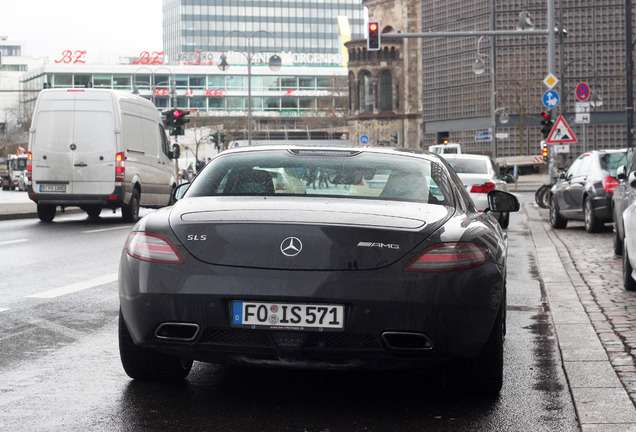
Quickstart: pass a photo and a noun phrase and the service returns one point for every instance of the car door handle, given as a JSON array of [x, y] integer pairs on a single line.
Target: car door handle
[[81, 164]]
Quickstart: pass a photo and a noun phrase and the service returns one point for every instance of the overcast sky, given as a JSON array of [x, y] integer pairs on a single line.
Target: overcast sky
[[103, 29]]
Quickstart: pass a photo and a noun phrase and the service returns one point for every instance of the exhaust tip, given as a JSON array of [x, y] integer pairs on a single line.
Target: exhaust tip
[[404, 341], [177, 332]]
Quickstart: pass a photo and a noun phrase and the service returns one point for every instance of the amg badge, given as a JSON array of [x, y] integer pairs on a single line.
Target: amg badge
[[378, 245]]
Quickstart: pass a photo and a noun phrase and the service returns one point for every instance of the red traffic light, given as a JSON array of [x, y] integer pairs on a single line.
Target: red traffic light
[[373, 40], [177, 113], [545, 115]]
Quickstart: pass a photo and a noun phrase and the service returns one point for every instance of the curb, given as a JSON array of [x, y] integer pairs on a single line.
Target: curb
[[601, 401]]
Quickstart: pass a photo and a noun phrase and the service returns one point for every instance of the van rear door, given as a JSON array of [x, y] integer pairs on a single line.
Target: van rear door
[[74, 144]]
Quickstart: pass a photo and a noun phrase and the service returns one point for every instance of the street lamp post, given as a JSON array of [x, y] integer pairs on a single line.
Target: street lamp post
[[274, 64]]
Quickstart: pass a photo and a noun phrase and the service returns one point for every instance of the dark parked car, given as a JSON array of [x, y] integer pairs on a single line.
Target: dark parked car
[[585, 191], [389, 266], [623, 196]]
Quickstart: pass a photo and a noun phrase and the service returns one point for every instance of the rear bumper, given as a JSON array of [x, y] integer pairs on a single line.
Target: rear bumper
[[112, 200], [419, 319]]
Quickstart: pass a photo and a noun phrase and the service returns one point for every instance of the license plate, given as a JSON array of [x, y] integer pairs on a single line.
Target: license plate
[[52, 188], [293, 316]]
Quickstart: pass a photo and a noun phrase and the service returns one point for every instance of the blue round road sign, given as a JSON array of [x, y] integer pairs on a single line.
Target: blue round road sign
[[550, 99], [582, 91], [364, 139]]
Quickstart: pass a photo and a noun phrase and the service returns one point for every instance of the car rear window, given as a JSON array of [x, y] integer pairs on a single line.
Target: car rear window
[[357, 175], [611, 161], [468, 166]]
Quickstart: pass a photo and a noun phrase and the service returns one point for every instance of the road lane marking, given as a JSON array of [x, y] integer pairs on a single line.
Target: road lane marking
[[79, 286], [105, 229], [13, 242]]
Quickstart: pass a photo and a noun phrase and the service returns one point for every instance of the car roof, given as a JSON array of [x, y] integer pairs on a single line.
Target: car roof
[[398, 151], [465, 156]]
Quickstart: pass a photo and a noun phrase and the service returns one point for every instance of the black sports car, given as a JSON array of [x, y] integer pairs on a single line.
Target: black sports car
[[318, 257]]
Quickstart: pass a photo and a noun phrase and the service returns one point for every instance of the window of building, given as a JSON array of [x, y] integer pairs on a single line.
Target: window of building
[[308, 83], [386, 91], [271, 103], [216, 81], [197, 102], [197, 81], [81, 80], [121, 81], [236, 82], [367, 91], [235, 103], [63, 80], [271, 83], [102, 81], [216, 103]]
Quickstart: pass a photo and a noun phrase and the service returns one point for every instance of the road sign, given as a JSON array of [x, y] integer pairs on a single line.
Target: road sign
[[550, 99], [561, 132], [582, 118], [561, 148], [582, 91], [483, 136], [550, 81], [364, 139], [582, 107]]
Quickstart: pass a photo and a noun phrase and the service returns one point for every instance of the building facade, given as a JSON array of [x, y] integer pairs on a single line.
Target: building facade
[[14, 66], [385, 86], [458, 105], [306, 27]]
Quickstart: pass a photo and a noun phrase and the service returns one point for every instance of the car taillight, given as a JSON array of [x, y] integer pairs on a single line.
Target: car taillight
[[485, 188], [448, 257], [30, 166], [120, 169], [609, 184], [152, 247]]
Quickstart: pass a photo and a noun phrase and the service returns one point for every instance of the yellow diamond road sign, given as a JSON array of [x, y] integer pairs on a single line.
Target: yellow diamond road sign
[[550, 81]]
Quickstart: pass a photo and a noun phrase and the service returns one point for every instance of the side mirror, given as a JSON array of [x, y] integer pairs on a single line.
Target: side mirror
[[562, 175], [180, 191], [500, 201], [631, 179], [620, 173], [176, 151], [509, 178]]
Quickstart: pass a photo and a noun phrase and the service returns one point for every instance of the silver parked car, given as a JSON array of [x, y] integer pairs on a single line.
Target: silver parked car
[[479, 175]]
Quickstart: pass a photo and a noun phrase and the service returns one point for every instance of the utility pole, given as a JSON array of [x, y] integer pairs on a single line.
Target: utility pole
[[629, 72]]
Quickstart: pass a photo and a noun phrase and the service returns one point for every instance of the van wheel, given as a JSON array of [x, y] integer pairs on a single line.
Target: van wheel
[[46, 212], [130, 211], [93, 211]]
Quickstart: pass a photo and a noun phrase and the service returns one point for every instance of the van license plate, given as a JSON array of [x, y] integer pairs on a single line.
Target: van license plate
[[316, 317], [52, 188]]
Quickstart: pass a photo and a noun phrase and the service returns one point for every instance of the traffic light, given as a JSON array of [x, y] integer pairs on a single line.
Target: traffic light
[[168, 119], [223, 138], [394, 139], [544, 152], [373, 40], [179, 119], [546, 123], [215, 138]]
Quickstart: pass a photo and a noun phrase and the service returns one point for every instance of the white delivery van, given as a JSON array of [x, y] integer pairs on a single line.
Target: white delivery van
[[98, 149]]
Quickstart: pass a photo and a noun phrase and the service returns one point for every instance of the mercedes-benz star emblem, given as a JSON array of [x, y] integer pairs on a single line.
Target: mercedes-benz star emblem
[[291, 246]]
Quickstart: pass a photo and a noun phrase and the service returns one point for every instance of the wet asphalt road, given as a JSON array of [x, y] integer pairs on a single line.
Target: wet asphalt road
[[60, 369]]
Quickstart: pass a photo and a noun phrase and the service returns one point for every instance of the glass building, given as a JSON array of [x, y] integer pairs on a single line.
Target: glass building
[[299, 27]]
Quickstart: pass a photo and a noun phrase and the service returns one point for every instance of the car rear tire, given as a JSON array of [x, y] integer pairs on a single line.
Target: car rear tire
[[130, 211], [628, 281], [484, 375], [46, 212], [143, 364], [617, 241], [592, 224], [556, 220]]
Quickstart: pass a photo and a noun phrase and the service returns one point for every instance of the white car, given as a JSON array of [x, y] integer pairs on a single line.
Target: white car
[[479, 175]]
